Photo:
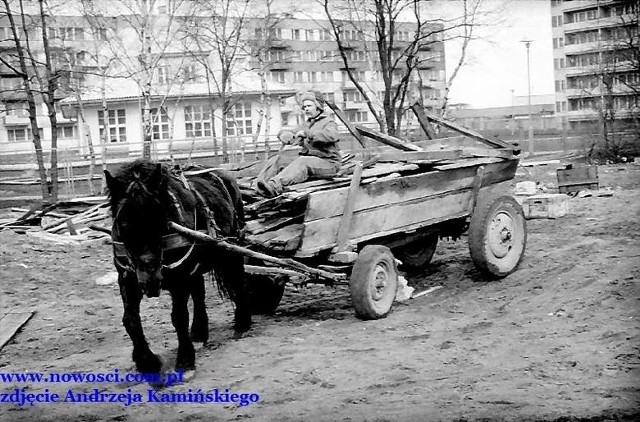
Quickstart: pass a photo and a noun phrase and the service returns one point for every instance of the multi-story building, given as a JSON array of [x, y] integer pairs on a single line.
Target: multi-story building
[[595, 53], [277, 57]]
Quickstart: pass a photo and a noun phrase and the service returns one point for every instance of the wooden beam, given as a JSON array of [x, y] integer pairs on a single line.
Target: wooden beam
[[10, 324], [424, 122], [387, 139], [496, 143], [286, 262], [347, 215], [350, 127]]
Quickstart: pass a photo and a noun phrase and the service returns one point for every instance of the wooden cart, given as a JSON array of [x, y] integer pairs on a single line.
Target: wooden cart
[[393, 206]]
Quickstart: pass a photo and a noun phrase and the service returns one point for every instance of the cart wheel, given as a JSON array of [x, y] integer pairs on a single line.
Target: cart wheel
[[374, 281], [497, 235], [265, 292], [417, 255]]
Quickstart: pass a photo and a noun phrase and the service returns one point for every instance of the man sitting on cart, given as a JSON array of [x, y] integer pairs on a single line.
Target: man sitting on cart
[[319, 157]]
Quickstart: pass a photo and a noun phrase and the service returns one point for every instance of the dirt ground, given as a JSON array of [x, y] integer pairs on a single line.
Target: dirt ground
[[557, 340]]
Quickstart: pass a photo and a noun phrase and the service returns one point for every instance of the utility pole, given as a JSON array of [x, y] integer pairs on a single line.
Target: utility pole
[[527, 44]]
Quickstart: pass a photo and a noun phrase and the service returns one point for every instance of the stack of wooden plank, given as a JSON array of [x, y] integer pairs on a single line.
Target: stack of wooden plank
[[69, 223]]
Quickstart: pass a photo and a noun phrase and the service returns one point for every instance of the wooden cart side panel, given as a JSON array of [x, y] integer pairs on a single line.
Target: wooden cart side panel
[[372, 222], [396, 205], [330, 203]]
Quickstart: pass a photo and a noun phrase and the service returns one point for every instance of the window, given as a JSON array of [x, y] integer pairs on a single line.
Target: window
[[558, 42], [117, 125], [163, 75], [298, 76], [190, 73], [67, 132], [17, 109], [275, 33], [277, 77], [358, 75], [160, 122], [101, 34], [258, 33], [197, 121], [352, 96], [67, 33], [296, 56], [239, 119], [309, 35], [556, 21], [324, 35], [312, 77], [5, 33], [329, 97], [274, 56], [295, 34], [21, 134], [357, 116], [326, 76]]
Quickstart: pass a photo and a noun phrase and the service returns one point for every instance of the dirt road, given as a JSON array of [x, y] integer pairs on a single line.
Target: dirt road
[[557, 340]]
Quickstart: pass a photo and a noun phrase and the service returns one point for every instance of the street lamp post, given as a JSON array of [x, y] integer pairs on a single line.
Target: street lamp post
[[527, 44]]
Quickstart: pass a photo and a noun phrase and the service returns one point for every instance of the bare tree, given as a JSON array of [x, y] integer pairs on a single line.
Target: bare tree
[[404, 42], [213, 37], [30, 59], [266, 49], [142, 32]]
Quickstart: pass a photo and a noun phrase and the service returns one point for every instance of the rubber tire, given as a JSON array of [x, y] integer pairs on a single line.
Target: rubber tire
[[493, 256], [417, 254], [265, 292], [374, 282]]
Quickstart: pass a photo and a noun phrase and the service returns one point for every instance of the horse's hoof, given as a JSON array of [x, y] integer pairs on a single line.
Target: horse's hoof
[[199, 338], [243, 324]]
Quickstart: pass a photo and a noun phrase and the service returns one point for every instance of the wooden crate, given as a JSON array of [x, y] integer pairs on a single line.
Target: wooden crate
[[577, 179], [546, 206]]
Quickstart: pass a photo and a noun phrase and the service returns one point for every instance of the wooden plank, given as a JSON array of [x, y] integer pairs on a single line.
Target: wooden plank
[[387, 139], [10, 324], [470, 163], [347, 214], [477, 183], [256, 227], [370, 223], [422, 119], [350, 127], [327, 204], [496, 143], [420, 155]]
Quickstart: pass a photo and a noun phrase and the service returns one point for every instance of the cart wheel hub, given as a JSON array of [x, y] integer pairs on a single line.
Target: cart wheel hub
[[500, 236], [378, 287]]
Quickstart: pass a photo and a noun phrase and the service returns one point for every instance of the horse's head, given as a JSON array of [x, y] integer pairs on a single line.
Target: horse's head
[[139, 219]]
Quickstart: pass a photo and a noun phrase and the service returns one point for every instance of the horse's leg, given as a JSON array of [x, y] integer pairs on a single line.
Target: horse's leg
[[232, 272], [186, 359], [146, 361], [200, 324]]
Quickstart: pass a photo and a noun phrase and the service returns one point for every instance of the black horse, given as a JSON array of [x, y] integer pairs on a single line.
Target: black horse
[[146, 196]]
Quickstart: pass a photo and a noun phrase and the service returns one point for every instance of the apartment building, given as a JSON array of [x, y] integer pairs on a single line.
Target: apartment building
[[302, 53], [293, 54], [595, 53]]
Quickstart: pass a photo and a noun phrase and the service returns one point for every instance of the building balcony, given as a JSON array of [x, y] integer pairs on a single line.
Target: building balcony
[[353, 105], [280, 65], [279, 44], [580, 70], [11, 120]]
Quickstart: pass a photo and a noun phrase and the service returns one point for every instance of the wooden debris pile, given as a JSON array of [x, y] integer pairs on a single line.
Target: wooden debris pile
[[63, 222]]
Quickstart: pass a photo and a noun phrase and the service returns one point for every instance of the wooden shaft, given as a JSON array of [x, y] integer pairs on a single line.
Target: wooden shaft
[[287, 262]]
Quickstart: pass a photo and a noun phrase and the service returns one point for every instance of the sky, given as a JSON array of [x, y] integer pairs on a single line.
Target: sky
[[497, 62]]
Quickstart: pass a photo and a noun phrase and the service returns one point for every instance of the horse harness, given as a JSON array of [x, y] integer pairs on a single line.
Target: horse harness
[[171, 241]]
